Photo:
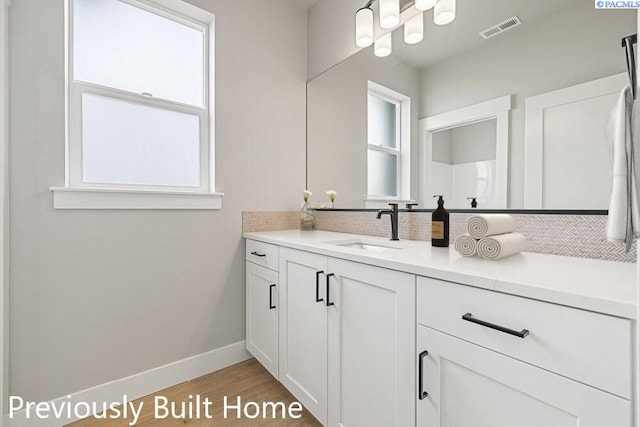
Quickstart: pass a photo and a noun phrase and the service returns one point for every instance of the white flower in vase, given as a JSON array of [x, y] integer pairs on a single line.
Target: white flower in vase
[[332, 196], [307, 221], [306, 194]]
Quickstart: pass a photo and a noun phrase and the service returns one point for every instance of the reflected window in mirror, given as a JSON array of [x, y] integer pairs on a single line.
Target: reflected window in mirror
[[388, 143]]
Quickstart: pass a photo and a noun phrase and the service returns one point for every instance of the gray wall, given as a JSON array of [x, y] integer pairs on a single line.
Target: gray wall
[[441, 147], [574, 45], [331, 33], [473, 143], [99, 295], [465, 144]]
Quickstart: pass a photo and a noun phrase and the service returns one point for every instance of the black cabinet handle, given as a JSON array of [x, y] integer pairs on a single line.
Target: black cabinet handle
[[421, 393], [258, 254], [329, 276], [520, 334], [318, 273], [271, 304]]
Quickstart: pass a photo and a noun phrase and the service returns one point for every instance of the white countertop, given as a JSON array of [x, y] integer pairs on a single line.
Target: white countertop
[[607, 287]]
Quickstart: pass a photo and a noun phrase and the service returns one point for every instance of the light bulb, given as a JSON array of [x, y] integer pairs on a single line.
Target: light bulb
[[364, 27], [425, 4], [444, 12], [414, 29], [382, 46], [389, 13]]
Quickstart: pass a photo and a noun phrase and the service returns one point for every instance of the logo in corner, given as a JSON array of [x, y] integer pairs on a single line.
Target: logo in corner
[[617, 4]]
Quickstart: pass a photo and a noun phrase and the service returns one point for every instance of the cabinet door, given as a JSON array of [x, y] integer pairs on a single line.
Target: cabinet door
[[469, 385], [303, 329], [262, 316], [371, 346]]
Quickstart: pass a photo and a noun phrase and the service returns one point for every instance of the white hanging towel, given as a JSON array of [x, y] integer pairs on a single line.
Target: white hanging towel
[[623, 222]]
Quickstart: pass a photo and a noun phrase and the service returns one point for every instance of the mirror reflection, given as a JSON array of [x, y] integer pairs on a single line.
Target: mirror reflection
[[562, 68], [463, 164]]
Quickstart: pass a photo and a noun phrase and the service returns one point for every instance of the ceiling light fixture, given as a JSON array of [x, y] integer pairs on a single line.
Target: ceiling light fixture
[[444, 12], [382, 46], [364, 26], [389, 13], [425, 4], [414, 29]]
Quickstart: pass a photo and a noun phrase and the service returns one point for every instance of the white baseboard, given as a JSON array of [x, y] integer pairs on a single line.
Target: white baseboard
[[142, 384]]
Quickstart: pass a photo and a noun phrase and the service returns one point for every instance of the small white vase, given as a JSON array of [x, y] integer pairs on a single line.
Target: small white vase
[[307, 218]]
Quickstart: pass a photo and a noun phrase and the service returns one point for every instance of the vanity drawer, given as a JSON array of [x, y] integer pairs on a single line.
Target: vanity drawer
[[263, 254], [588, 347]]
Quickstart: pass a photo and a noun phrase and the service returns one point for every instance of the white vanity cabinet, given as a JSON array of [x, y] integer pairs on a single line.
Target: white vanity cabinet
[[304, 330], [418, 337], [262, 304], [347, 338], [487, 359]]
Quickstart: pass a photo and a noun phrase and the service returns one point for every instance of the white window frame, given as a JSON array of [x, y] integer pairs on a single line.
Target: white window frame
[[77, 194], [402, 150]]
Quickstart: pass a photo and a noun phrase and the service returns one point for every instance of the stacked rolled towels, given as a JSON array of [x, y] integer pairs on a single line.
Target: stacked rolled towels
[[491, 237]]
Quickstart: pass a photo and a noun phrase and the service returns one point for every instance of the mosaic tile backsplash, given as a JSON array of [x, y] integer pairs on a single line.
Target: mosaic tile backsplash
[[269, 221], [580, 236]]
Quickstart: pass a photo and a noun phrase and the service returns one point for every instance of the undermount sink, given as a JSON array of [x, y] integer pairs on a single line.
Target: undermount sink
[[370, 245]]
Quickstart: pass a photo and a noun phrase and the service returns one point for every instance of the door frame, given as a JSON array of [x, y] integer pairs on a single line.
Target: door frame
[[498, 109]]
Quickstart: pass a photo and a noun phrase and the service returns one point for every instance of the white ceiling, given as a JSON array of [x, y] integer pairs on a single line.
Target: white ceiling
[[473, 16]]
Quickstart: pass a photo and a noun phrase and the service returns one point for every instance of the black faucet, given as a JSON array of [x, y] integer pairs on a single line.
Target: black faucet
[[393, 213]]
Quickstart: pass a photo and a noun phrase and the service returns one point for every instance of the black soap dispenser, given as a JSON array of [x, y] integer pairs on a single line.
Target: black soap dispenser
[[440, 225]]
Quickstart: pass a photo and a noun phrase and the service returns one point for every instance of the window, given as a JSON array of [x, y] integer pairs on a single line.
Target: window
[[388, 143], [139, 105]]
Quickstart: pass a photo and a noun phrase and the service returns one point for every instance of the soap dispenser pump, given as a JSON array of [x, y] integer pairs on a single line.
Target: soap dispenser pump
[[440, 225]]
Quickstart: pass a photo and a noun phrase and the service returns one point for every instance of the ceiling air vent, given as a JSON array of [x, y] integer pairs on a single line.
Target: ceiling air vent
[[508, 24]]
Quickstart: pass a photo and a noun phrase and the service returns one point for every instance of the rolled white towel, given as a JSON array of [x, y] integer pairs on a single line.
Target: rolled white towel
[[484, 225], [501, 246], [466, 245]]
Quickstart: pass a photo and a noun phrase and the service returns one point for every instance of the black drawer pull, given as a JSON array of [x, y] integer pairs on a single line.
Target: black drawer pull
[[520, 334], [318, 273], [271, 304], [258, 254], [421, 393], [329, 276]]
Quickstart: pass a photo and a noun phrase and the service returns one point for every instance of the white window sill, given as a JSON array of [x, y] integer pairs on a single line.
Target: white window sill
[[104, 198]]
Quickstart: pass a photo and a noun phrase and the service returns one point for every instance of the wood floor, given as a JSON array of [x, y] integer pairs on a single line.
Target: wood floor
[[249, 380]]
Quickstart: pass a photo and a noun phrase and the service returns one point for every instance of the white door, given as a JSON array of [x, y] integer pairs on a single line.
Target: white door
[[465, 385], [262, 316], [570, 125], [303, 329], [371, 346]]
